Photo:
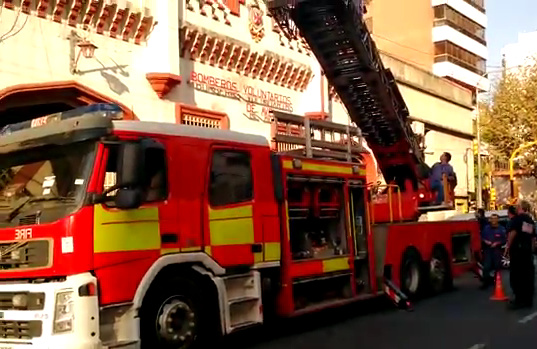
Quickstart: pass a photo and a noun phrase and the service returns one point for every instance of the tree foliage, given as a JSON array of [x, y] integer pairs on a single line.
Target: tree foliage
[[509, 117]]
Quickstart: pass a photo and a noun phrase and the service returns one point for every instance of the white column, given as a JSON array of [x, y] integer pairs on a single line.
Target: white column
[[162, 52]]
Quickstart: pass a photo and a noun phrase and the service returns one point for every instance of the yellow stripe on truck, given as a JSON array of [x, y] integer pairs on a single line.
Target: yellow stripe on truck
[[231, 226], [125, 230], [272, 251], [336, 264], [309, 166]]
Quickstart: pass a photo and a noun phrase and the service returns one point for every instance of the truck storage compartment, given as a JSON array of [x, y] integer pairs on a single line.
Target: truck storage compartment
[[316, 222], [461, 247]]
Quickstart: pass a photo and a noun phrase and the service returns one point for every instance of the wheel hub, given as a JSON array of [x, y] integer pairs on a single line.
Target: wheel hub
[[437, 270], [413, 278], [176, 323]]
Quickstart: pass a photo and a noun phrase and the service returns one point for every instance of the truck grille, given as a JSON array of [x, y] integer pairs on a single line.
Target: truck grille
[[26, 301], [29, 219], [20, 329], [24, 254]]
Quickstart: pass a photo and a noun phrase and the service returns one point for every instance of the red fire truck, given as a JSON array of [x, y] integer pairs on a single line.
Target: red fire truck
[[141, 234]]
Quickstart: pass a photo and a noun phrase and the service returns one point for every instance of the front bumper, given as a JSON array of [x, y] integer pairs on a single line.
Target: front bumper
[[33, 329]]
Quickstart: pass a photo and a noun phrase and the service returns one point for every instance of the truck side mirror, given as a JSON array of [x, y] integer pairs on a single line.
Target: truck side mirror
[[130, 175], [130, 166], [130, 198]]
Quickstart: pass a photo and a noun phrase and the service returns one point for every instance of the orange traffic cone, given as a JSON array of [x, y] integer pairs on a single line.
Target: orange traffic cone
[[498, 295]]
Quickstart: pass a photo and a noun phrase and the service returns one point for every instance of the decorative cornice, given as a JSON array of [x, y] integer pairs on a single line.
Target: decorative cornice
[[317, 115], [163, 83], [120, 20], [204, 46]]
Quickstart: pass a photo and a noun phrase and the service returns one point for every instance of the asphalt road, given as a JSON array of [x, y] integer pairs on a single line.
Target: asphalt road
[[462, 319]]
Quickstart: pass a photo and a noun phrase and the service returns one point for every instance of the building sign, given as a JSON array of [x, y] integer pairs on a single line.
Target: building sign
[[258, 101]]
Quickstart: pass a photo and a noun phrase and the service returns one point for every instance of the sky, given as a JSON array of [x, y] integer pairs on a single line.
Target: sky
[[505, 20]]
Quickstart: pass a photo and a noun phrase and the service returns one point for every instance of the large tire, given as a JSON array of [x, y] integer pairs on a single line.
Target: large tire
[[411, 274], [176, 314], [440, 277]]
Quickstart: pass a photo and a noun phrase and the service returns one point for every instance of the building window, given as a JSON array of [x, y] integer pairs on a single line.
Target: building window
[[231, 178], [445, 15], [194, 116], [446, 51]]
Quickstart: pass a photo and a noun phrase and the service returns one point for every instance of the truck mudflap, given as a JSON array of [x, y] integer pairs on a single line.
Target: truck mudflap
[[478, 270], [396, 295]]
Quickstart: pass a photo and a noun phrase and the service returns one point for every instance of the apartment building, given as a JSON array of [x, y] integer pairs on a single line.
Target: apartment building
[[520, 53], [460, 47], [446, 37]]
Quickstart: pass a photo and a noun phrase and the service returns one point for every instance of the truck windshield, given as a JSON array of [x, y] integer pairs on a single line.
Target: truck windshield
[[43, 184]]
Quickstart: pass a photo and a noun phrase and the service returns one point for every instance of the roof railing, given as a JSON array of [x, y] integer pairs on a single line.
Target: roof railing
[[303, 136]]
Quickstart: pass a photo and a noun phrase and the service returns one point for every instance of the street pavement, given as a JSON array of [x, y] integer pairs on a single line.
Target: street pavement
[[462, 319]]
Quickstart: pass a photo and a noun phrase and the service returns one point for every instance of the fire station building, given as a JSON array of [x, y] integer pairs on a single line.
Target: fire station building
[[213, 63]]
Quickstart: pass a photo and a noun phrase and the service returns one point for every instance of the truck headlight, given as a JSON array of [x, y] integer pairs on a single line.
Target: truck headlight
[[64, 312]]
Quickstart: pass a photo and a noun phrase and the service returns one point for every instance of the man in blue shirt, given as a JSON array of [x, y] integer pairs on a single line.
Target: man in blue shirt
[[494, 237], [437, 172]]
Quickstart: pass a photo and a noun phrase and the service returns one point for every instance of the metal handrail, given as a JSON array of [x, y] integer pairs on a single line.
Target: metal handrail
[[390, 202]]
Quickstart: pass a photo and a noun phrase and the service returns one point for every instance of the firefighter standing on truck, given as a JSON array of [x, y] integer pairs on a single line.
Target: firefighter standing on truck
[[438, 170], [520, 246], [493, 237]]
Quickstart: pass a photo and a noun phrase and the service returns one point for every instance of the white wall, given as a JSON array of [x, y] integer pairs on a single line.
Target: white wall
[[523, 52], [39, 52], [448, 69]]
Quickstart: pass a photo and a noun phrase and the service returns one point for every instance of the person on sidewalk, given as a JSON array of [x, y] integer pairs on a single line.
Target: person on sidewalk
[[493, 237], [438, 170], [520, 246]]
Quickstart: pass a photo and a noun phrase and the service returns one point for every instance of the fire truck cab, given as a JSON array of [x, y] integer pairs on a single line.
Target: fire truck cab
[[125, 233]]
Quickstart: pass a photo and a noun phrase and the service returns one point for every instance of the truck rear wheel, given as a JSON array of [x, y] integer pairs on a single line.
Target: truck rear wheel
[[175, 316], [440, 278], [411, 274]]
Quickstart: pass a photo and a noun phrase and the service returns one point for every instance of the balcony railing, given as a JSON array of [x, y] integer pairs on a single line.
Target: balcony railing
[[459, 62], [451, 24], [478, 4]]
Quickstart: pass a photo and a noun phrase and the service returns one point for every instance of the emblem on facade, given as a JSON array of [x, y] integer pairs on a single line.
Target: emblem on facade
[[255, 19]]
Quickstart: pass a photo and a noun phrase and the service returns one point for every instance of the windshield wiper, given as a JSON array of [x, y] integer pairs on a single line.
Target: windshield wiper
[[17, 209], [51, 198]]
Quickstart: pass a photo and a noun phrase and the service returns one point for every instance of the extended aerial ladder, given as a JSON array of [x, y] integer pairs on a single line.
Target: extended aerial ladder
[[337, 35]]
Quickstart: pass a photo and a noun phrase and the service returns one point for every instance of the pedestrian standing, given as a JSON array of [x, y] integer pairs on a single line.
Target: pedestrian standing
[[493, 237], [520, 246]]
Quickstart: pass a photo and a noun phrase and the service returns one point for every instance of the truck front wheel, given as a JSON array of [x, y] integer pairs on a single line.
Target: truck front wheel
[[174, 316]]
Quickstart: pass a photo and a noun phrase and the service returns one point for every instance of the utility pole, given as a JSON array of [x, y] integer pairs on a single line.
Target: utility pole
[[479, 188]]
